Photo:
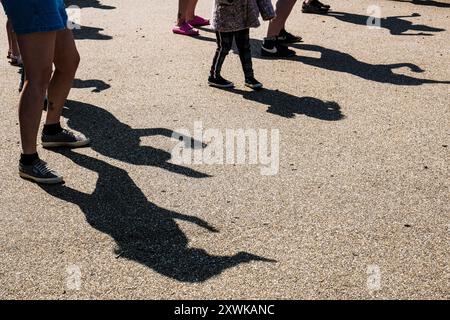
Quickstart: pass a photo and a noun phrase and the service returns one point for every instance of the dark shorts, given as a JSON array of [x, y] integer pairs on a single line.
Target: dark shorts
[[30, 16]]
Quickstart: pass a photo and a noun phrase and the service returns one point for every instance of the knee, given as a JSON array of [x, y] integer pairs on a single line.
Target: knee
[[73, 63], [39, 80], [70, 64], [76, 61], [245, 47], [224, 50]]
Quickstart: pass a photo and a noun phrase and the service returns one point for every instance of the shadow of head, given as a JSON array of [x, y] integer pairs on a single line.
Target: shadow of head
[[288, 106], [88, 4], [194, 265], [97, 85], [89, 33]]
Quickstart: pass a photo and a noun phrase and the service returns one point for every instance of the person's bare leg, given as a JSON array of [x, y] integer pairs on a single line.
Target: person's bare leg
[[8, 32], [190, 10], [66, 62], [283, 10], [14, 45], [182, 10], [37, 53]]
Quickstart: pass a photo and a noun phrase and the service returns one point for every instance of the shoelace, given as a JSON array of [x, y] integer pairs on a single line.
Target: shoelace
[[43, 168], [70, 133], [284, 35]]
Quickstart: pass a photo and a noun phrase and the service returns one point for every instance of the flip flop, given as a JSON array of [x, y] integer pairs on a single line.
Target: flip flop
[[199, 22], [186, 30]]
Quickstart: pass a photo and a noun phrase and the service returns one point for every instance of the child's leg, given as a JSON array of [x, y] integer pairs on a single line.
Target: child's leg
[[245, 53], [224, 44]]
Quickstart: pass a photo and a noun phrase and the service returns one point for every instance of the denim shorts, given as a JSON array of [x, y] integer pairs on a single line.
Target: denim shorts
[[30, 16]]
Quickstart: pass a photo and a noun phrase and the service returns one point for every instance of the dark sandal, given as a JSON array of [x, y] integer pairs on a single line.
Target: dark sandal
[[320, 4], [313, 7]]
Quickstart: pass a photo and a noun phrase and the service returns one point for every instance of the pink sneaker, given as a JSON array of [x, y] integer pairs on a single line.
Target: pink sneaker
[[185, 29], [199, 22]]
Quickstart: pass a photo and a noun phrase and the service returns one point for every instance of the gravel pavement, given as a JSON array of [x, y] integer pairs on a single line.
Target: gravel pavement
[[359, 207]]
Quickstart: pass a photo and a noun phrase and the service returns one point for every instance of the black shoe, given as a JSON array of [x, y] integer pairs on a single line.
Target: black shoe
[[288, 38], [39, 172], [320, 4], [251, 82], [65, 138], [314, 7], [220, 82], [274, 49]]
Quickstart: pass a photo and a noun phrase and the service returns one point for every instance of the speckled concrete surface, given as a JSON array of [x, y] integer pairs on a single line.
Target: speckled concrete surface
[[363, 184]]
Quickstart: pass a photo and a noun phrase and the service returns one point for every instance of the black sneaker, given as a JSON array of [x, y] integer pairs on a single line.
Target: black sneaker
[[251, 82], [288, 38], [274, 49], [313, 7], [65, 138], [220, 82], [320, 4], [39, 172]]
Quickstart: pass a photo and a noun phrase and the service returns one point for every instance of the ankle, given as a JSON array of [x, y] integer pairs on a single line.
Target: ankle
[[52, 129], [270, 42], [28, 159]]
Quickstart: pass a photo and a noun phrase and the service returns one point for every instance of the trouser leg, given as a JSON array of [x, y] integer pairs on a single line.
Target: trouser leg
[[224, 44], [245, 53]]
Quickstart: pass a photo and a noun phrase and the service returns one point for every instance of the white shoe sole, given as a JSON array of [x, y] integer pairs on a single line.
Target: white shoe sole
[[77, 144], [227, 86], [39, 180], [254, 87]]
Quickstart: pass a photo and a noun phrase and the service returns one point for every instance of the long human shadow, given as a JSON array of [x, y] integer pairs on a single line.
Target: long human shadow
[[97, 85], [343, 62], [88, 4], [144, 232], [119, 141], [287, 105], [89, 33], [394, 24], [427, 3]]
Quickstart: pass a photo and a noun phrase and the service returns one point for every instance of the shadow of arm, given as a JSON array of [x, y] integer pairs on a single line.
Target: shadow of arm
[[189, 141], [195, 220], [188, 172]]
